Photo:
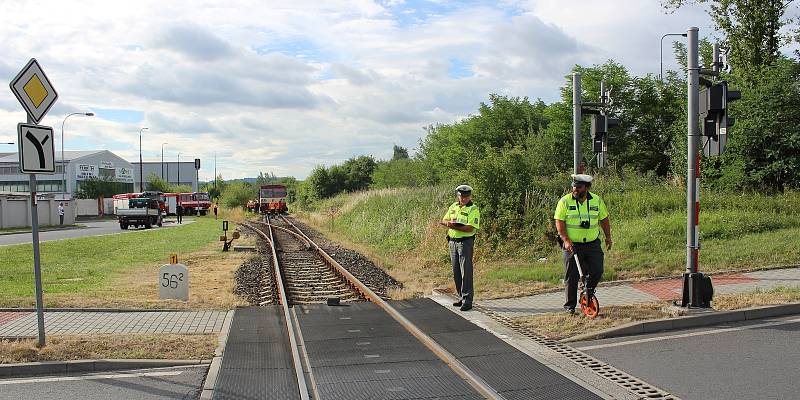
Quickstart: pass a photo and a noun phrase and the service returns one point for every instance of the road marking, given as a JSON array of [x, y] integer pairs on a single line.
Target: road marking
[[90, 377], [685, 335]]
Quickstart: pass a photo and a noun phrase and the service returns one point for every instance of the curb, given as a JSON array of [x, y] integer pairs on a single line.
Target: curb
[[63, 367], [109, 310], [654, 279], [216, 363], [666, 324], [44, 230]]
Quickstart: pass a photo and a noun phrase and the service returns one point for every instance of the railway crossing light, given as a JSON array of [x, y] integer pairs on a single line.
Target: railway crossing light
[[714, 103]]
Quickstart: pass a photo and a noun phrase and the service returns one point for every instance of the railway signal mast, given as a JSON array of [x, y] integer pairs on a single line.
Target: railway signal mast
[[712, 105], [599, 125]]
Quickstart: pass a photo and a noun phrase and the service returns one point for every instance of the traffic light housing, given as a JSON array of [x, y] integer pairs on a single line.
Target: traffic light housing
[[714, 108], [599, 131]]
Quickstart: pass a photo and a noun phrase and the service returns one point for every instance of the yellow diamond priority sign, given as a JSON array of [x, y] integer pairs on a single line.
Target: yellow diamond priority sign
[[34, 91]]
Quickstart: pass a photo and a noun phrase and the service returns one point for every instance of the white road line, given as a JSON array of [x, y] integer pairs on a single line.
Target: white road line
[[89, 377], [685, 335]]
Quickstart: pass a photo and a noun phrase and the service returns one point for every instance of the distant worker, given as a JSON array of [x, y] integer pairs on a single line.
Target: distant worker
[[463, 221], [61, 213], [179, 213], [577, 217], [215, 210]]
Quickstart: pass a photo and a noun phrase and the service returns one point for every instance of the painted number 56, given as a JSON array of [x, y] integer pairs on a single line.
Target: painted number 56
[[171, 280]]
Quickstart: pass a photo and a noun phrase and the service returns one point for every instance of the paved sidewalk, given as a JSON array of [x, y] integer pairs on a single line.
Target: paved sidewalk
[[646, 292], [22, 324]]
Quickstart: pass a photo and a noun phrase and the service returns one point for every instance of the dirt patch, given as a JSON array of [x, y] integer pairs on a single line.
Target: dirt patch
[[63, 348], [562, 325], [211, 284]]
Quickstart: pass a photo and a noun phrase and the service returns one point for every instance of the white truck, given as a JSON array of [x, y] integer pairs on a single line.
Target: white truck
[[140, 211]]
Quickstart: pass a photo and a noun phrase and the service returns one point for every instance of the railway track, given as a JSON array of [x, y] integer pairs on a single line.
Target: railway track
[[310, 275]]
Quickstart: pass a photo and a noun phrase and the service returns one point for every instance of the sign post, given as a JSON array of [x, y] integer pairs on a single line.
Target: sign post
[[36, 155]]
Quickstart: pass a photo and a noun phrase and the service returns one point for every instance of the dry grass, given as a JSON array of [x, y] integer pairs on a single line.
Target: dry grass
[[211, 282], [62, 348], [562, 325], [780, 295]]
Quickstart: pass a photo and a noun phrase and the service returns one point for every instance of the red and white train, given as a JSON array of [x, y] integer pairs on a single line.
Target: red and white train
[[272, 199]]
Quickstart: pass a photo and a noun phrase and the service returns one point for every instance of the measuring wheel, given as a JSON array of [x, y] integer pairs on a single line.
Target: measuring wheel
[[590, 307]]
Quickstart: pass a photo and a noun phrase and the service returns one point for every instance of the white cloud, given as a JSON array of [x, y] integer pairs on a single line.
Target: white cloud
[[283, 86]]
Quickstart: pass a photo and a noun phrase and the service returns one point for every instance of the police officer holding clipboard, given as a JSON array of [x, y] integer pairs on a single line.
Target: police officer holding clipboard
[[463, 221]]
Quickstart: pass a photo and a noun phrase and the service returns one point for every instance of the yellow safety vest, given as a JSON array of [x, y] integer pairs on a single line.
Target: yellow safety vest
[[467, 215], [592, 210]]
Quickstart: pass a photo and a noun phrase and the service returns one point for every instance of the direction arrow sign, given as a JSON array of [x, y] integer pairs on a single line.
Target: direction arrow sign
[[33, 90], [36, 151]]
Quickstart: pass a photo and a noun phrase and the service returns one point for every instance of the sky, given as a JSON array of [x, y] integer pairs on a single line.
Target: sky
[[282, 87]]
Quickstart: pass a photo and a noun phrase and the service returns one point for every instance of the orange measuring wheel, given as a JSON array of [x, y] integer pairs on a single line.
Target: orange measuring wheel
[[590, 308]]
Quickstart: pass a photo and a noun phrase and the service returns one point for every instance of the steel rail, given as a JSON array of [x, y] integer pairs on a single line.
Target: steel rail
[[457, 366], [290, 326]]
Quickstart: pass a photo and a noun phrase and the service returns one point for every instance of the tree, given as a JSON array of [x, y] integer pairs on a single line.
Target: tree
[[94, 188], [399, 153], [752, 29]]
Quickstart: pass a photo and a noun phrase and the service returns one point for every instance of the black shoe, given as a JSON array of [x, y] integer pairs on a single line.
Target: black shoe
[[458, 303], [570, 311], [466, 307]]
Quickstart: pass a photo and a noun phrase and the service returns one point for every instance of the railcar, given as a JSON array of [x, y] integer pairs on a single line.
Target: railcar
[[272, 199]]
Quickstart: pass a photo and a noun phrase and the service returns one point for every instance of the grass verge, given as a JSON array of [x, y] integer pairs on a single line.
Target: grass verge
[[63, 348], [398, 229], [121, 270], [561, 326]]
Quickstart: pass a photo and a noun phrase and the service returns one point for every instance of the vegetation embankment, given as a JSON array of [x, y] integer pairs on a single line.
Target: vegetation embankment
[[397, 227], [121, 270]]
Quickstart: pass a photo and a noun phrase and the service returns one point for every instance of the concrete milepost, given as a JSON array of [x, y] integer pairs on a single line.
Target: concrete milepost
[[36, 154], [173, 282]]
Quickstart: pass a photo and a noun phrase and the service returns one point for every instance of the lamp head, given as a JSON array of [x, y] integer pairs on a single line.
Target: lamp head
[[89, 114]]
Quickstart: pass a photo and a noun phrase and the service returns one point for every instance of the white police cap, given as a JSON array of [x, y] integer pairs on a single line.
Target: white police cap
[[464, 189], [582, 178]]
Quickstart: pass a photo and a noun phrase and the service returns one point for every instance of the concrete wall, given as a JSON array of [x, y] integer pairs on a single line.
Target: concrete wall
[[15, 212], [86, 207]]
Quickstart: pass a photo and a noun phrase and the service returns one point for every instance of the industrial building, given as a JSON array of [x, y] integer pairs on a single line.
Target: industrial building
[[80, 166], [183, 173]]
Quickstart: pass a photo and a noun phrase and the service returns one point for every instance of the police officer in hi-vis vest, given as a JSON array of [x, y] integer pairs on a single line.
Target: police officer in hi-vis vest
[[578, 215], [463, 221]]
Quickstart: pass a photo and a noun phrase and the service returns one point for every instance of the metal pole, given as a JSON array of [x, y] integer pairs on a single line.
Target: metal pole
[[37, 270], [661, 54], [141, 173], [179, 168], [576, 121], [693, 82]]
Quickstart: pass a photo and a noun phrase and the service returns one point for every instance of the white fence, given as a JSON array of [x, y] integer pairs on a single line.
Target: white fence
[[15, 211], [91, 207]]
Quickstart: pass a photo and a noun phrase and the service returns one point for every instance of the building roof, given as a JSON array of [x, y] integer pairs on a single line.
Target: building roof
[[68, 155]]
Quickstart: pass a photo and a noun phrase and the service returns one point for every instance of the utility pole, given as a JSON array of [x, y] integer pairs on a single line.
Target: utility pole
[[576, 123]]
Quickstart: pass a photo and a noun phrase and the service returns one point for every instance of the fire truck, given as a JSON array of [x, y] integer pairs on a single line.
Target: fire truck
[[192, 203]]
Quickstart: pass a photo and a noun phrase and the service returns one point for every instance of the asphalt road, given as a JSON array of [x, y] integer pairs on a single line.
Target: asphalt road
[[93, 228], [161, 383], [752, 360]]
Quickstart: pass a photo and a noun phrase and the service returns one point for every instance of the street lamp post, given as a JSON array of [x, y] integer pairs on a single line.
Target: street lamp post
[[141, 170], [63, 170], [162, 162], [179, 169], [661, 50]]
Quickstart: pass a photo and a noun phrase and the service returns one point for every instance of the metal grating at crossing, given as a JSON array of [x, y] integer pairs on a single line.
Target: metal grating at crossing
[[356, 352], [623, 379], [257, 363], [513, 374]]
